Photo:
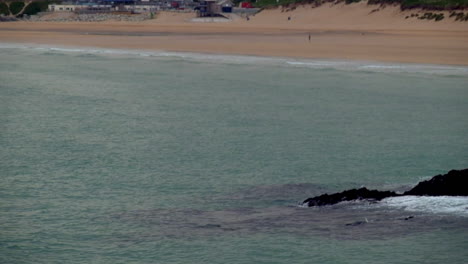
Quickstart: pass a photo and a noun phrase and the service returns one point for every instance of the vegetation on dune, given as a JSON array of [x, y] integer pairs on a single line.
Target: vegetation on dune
[[352, 1], [273, 3], [404, 4], [4, 9], [429, 5], [430, 16], [459, 16], [437, 4], [425, 4], [33, 8], [16, 7], [39, 6]]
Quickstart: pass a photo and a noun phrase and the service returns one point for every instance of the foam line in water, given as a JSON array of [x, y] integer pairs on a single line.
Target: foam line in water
[[382, 67], [453, 205], [243, 59]]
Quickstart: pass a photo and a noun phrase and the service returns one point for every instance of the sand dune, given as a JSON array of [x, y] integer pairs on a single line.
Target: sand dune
[[359, 16], [355, 32]]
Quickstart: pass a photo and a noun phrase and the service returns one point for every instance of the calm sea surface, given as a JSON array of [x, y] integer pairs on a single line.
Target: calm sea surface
[[113, 156]]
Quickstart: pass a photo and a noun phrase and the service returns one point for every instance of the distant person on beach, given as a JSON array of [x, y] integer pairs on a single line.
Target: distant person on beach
[[289, 18], [309, 37]]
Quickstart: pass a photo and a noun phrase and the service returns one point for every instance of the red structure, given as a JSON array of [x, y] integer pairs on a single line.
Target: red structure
[[246, 5]]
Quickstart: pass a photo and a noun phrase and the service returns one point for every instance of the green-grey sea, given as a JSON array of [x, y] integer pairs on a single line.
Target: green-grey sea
[[124, 156]]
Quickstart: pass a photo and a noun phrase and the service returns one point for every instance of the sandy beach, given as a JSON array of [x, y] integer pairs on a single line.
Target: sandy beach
[[345, 32]]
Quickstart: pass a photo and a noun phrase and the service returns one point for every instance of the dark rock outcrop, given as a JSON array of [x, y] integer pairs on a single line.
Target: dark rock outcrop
[[454, 183]]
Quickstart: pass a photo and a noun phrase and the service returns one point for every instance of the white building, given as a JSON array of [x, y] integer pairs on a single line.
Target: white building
[[56, 7], [72, 8]]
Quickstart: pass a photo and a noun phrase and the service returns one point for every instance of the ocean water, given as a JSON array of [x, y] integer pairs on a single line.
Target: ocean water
[[123, 156]]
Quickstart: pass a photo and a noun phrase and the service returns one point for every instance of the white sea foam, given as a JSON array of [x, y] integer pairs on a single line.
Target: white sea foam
[[318, 63], [242, 59], [382, 67], [454, 205]]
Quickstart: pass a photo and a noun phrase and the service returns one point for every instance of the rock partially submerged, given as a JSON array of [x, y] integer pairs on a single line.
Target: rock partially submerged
[[454, 183]]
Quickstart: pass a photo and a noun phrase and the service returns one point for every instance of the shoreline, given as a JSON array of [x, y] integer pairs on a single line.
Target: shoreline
[[311, 63], [354, 36]]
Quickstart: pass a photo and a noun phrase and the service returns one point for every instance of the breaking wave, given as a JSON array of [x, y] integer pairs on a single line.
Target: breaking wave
[[453, 205]]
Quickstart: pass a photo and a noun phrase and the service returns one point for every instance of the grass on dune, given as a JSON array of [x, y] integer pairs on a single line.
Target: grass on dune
[[404, 4]]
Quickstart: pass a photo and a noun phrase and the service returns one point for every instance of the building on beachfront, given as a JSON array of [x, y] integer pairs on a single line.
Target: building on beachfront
[[137, 6], [59, 7], [208, 8], [80, 6], [213, 8], [204, 8]]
